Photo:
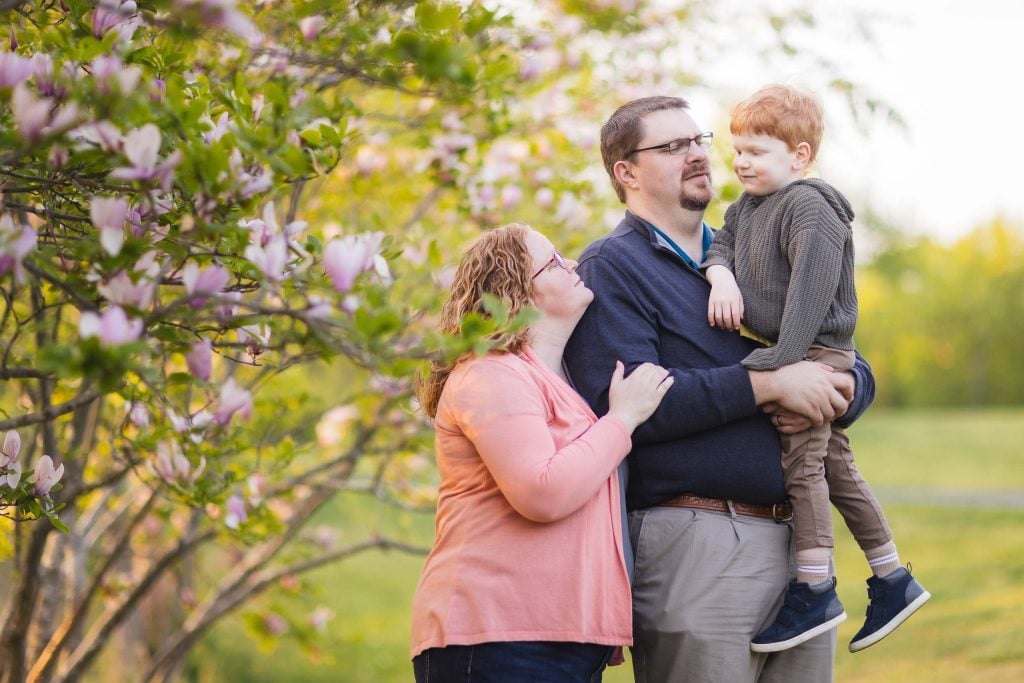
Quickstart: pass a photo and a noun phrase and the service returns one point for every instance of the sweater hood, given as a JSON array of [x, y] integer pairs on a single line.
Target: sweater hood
[[833, 196]]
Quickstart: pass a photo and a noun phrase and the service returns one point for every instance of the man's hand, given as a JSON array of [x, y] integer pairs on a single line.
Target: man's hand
[[725, 305], [812, 391]]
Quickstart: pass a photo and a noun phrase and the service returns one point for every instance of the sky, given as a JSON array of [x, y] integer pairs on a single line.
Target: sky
[[953, 72]]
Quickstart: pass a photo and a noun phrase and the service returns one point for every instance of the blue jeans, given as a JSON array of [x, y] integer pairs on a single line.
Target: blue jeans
[[512, 662]]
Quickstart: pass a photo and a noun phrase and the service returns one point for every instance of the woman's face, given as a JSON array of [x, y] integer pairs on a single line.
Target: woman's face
[[558, 291]]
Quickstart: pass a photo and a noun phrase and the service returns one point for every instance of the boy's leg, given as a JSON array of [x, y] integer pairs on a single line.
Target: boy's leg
[[855, 501], [894, 594], [810, 607], [803, 464]]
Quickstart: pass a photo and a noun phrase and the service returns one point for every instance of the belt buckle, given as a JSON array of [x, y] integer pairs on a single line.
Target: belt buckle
[[782, 519]]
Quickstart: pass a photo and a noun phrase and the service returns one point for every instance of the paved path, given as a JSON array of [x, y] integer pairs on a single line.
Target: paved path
[[1003, 499]]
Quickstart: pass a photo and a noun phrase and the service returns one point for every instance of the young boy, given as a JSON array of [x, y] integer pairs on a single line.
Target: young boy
[[789, 242]]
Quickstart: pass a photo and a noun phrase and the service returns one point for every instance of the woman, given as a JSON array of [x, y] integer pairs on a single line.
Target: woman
[[526, 580]]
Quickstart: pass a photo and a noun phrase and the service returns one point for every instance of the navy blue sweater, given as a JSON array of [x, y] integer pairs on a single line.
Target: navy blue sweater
[[707, 436]]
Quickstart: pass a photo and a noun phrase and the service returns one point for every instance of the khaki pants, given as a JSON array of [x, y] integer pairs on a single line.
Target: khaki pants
[[705, 584], [818, 465]]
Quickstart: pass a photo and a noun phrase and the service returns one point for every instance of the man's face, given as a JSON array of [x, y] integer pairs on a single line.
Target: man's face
[[683, 179], [764, 164]]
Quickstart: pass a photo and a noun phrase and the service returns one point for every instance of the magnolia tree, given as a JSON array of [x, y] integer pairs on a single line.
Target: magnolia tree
[[223, 230]]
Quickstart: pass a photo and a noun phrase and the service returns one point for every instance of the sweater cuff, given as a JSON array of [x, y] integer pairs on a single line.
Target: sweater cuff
[[737, 397], [620, 426]]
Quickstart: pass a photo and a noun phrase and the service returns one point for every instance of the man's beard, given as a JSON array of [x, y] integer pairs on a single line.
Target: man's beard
[[694, 201]]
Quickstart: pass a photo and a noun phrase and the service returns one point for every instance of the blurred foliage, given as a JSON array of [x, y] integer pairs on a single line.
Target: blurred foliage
[[941, 324]]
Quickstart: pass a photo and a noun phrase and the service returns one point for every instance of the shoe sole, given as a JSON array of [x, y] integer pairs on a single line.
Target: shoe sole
[[868, 641], [800, 638]]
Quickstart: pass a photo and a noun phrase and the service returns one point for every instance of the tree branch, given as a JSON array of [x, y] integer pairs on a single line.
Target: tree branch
[[84, 654], [51, 412], [43, 668]]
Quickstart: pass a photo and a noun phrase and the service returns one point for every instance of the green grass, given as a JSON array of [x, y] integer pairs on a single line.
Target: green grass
[[969, 556]]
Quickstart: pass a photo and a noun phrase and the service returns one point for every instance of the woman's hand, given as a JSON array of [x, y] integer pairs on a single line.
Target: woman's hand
[[633, 399]]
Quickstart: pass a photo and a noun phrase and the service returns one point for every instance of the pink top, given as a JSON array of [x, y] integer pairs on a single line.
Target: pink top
[[528, 532]]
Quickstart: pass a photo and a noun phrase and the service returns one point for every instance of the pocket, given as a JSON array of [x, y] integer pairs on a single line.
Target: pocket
[[657, 532]]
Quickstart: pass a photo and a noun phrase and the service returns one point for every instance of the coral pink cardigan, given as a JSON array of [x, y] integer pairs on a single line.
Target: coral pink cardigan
[[528, 532]]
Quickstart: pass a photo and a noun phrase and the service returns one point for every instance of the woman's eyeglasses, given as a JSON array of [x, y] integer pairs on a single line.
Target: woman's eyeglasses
[[556, 260]]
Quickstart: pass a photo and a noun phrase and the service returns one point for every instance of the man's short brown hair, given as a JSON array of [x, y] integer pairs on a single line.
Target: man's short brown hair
[[781, 112], [624, 129]]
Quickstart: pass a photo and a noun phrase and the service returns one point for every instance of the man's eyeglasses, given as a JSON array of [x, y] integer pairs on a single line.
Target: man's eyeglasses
[[682, 145], [556, 260]]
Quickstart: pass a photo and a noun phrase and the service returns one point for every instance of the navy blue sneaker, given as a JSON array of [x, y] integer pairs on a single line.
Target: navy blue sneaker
[[894, 597], [807, 611]]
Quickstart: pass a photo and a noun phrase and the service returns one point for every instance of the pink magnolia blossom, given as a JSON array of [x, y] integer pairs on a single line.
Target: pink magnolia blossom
[[42, 72], [257, 484], [311, 26], [46, 476], [235, 512], [248, 181], [103, 134], [14, 69], [270, 259], [111, 13], [120, 290], [201, 284], [9, 459], [109, 214], [36, 118], [109, 69], [31, 114], [369, 161], [255, 338], [346, 257], [228, 304], [16, 242], [317, 308], [58, 157], [222, 14], [112, 327], [138, 413], [148, 264], [233, 399], [141, 147], [258, 101], [192, 426], [545, 197], [171, 465], [510, 196], [319, 617], [200, 359], [217, 130], [451, 121], [334, 424]]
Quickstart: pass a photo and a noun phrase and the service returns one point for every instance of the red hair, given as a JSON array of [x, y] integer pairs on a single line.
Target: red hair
[[782, 112]]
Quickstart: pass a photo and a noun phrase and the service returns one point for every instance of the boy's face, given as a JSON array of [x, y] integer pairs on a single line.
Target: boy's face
[[765, 164]]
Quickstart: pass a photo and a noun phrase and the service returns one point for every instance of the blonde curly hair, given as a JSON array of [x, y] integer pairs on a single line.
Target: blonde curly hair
[[497, 263]]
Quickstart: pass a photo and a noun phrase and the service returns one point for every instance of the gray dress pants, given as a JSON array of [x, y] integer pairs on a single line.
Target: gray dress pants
[[705, 583]]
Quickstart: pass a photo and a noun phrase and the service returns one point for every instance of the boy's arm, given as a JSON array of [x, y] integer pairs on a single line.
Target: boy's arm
[[722, 251], [725, 304]]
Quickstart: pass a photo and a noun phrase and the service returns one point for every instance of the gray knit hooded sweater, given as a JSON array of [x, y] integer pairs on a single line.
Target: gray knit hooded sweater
[[792, 254]]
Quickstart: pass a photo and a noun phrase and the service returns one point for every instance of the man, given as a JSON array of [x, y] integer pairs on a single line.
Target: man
[[705, 490]]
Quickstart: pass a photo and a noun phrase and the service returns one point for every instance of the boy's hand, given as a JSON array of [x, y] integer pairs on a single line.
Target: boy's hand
[[725, 305]]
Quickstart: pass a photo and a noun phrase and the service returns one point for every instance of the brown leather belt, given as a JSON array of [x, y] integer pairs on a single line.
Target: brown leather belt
[[780, 512]]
